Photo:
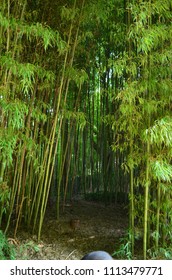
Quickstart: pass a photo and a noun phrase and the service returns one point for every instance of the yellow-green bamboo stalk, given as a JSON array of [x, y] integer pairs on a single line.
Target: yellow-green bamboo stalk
[[158, 216], [146, 205], [56, 119]]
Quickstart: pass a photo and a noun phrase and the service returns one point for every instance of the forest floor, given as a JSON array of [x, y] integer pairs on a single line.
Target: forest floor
[[100, 228]]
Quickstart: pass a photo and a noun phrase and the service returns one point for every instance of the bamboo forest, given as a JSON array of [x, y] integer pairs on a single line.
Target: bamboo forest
[[85, 128]]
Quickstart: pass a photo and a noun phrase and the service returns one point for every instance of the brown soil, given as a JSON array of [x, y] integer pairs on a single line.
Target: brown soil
[[100, 228]]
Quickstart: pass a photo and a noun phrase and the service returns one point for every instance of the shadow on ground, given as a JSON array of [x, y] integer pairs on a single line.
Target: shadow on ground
[[100, 229]]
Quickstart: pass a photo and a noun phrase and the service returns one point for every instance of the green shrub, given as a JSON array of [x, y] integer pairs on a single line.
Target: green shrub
[[7, 251]]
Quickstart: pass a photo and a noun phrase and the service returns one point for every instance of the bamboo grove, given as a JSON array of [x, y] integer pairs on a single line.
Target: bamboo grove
[[86, 102]]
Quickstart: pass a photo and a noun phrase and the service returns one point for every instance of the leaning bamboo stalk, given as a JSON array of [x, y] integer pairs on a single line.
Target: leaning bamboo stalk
[[12, 194], [66, 91], [53, 132], [57, 109]]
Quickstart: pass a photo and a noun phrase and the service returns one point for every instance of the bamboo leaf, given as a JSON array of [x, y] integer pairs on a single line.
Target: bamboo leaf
[[161, 170], [160, 132]]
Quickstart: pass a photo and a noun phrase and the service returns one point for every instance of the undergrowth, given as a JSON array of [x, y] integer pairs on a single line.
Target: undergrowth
[[7, 251]]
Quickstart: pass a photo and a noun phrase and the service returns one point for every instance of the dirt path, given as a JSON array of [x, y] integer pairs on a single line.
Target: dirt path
[[100, 229]]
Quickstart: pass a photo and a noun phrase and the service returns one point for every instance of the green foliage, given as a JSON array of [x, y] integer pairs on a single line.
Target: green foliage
[[34, 31], [7, 144], [161, 132], [4, 199], [69, 13], [124, 251], [144, 114], [15, 111], [27, 73], [161, 253], [79, 76], [24, 251], [160, 136], [78, 116], [161, 170], [7, 251]]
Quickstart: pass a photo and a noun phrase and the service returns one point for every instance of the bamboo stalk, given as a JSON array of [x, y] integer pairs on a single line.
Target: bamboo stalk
[[146, 205], [158, 216]]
